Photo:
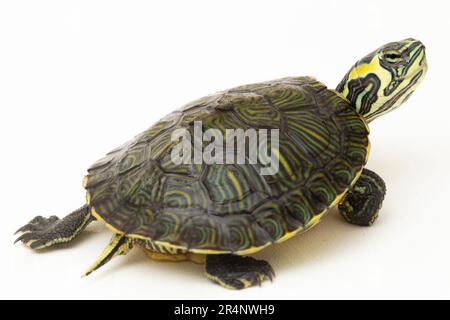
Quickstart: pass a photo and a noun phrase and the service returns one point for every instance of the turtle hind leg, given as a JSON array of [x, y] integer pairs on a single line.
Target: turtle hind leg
[[364, 199], [42, 232], [237, 272]]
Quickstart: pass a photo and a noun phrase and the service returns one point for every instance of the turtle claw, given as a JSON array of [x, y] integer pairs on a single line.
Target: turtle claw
[[37, 224], [27, 239], [37, 232]]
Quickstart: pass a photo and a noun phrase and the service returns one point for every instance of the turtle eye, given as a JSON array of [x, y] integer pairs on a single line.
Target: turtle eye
[[393, 57]]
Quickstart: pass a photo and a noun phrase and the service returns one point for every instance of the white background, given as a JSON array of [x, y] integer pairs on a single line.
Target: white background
[[78, 78]]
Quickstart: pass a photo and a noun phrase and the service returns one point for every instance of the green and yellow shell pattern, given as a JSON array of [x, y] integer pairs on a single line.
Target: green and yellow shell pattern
[[231, 208]]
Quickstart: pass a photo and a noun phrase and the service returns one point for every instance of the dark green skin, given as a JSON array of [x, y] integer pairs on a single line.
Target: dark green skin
[[364, 200], [44, 232]]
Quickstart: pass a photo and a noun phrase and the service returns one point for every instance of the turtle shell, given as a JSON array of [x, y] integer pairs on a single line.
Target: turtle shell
[[216, 208]]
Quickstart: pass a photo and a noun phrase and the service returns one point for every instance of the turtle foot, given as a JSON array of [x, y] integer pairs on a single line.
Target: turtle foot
[[42, 232], [364, 200], [237, 272], [35, 233]]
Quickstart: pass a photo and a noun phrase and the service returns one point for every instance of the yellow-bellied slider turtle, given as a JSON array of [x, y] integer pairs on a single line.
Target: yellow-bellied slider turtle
[[217, 213]]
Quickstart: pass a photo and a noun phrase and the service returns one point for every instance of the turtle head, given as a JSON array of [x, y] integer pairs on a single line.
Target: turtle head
[[381, 81]]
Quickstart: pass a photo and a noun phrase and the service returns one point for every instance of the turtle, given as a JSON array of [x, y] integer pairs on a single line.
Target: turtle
[[219, 214]]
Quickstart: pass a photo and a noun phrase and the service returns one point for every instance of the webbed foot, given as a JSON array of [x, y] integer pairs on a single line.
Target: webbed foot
[[42, 232], [237, 272], [364, 200]]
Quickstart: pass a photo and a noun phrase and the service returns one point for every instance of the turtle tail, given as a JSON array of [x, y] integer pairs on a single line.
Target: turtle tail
[[119, 245]]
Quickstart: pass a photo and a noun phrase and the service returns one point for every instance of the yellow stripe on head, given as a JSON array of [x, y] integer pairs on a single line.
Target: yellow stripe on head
[[381, 81]]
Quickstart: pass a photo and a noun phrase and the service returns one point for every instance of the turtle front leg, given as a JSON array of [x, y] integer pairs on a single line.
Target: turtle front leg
[[364, 200], [42, 232], [237, 272]]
